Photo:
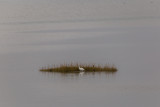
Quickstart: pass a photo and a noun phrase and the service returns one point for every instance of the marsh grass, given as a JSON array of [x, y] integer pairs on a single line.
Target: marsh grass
[[64, 68]]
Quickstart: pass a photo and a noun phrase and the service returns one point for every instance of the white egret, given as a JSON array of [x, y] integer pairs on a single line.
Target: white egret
[[81, 69]]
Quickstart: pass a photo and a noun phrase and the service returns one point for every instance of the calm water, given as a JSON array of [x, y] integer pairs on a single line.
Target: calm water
[[36, 33]]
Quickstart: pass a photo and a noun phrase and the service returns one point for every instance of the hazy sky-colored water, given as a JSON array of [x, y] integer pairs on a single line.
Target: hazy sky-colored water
[[36, 33], [40, 10]]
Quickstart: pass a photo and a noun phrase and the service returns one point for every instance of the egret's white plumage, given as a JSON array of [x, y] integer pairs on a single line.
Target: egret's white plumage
[[81, 69]]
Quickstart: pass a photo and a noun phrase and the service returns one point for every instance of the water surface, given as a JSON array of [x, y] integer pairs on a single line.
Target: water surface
[[36, 33]]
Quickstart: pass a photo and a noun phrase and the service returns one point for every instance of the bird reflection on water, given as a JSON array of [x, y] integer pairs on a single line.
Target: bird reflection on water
[[81, 73]]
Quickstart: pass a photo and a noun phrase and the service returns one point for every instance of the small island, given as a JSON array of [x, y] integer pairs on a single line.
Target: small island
[[71, 68]]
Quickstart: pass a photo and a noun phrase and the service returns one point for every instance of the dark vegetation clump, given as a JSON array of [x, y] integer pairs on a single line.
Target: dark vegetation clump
[[64, 68]]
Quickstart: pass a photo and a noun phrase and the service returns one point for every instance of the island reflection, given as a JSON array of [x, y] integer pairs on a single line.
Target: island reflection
[[77, 74]]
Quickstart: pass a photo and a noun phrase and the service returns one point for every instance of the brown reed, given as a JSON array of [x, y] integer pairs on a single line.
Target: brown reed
[[64, 68]]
